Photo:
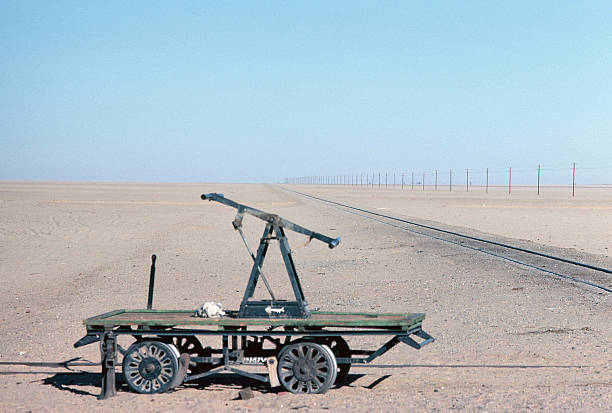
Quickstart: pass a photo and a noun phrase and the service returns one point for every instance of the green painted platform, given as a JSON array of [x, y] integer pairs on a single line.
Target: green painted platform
[[318, 319]]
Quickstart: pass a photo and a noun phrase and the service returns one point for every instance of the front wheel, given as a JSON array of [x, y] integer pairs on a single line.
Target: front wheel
[[306, 367], [151, 366]]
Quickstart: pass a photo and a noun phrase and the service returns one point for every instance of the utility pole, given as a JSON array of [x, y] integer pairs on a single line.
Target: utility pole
[[574, 179], [509, 179], [538, 179]]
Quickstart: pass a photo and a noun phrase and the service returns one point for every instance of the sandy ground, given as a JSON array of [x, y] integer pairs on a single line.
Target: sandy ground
[[508, 338]]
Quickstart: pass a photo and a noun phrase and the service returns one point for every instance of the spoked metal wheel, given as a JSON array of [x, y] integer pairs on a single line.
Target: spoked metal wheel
[[340, 348], [151, 366], [192, 346], [306, 367]]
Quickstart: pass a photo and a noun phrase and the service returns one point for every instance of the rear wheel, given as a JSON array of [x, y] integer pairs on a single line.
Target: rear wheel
[[340, 348], [192, 346], [306, 367]]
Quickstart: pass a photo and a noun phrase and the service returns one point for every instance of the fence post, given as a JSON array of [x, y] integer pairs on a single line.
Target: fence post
[[538, 179], [467, 180], [450, 180], [423, 181], [509, 179], [574, 179], [436, 184]]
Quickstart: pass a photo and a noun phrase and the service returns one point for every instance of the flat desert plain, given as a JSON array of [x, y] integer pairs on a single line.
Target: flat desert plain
[[508, 337]]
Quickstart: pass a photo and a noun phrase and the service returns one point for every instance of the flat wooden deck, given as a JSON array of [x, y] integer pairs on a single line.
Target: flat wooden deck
[[172, 318]]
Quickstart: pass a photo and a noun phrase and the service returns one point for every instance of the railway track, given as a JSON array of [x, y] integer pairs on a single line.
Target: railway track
[[582, 273]]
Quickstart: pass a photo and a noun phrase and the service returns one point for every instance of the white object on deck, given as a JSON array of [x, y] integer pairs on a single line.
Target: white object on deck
[[271, 310], [209, 310]]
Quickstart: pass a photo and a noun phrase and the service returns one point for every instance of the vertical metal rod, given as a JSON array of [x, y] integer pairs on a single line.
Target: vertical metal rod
[[393, 180], [450, 180], [574, 179], [413, 180], [386, 180], [151, 282], [538, 179], [487, 190], [423, 181], [509, 179], [467, 180]]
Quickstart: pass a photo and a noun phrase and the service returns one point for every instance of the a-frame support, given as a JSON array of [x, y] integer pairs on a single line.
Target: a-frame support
[[274, 308]]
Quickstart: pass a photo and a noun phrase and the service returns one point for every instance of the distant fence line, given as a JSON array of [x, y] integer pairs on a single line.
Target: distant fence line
[[448, 179]]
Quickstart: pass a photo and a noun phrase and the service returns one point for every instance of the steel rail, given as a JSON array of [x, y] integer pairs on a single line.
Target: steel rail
[[482, 240]]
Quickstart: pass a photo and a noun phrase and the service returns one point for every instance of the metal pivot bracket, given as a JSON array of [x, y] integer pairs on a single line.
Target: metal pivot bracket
[[412, 343]]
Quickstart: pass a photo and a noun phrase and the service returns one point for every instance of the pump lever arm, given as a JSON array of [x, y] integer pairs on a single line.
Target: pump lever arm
[[265, 216]]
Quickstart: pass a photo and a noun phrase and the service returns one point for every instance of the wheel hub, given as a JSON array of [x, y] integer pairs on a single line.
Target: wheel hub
[[149, 368], [304, 370]]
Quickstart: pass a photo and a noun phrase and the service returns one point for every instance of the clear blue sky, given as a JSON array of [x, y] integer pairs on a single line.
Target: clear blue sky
[[260, 91]]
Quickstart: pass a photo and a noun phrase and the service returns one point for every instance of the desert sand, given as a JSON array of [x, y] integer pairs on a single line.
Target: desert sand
[[508, 338]]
